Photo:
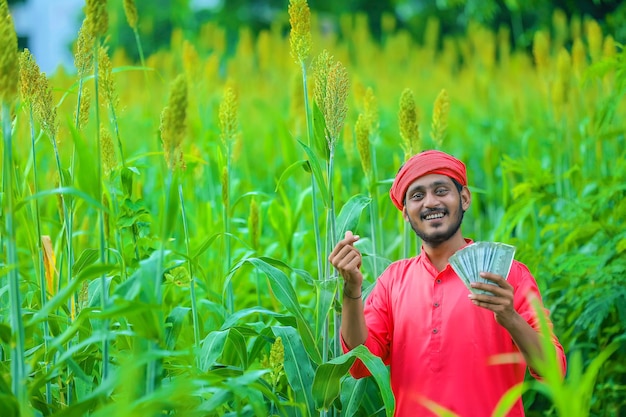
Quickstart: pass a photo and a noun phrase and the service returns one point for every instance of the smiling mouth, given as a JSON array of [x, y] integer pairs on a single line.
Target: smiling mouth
[[434, 216]]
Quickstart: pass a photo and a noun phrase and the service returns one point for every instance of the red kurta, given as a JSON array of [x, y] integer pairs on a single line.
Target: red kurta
[[441, 348]]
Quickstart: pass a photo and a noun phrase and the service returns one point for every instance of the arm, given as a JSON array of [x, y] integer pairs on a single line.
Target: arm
[[525, 336], [347, 259]]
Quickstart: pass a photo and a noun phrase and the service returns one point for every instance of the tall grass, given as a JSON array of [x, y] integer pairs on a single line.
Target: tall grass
[[169, 322]]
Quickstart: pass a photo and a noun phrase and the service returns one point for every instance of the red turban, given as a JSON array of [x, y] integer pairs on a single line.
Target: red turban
[[424, 163]]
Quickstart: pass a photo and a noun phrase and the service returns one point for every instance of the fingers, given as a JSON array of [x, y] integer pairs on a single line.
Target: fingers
[[501, 297], [346, 258], [343, 246]]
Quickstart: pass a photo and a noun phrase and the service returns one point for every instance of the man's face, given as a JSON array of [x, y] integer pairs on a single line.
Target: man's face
[[434, 208]]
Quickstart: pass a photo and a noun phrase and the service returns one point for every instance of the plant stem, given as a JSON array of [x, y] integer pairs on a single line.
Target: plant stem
[[230, 296], [18, 367], [41, 269], [332, 241], [192, 287], [316, 227], [103, 289]]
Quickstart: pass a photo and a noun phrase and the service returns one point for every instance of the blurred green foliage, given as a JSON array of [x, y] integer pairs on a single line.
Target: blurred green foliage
[[159, 17]]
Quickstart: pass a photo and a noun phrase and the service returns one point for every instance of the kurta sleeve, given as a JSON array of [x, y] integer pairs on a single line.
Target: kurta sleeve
[[379, 321], [526, 295]]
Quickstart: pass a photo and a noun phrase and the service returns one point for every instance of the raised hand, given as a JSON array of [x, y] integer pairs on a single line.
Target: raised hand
[[347, 259]]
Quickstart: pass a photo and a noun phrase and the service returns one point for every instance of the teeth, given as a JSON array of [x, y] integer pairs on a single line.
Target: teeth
[[434, 216]]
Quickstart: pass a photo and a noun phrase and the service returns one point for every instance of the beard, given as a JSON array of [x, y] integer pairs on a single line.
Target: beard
[[436, 238]]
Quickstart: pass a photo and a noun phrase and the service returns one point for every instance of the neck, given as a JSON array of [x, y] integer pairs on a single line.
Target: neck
[[439, 254]]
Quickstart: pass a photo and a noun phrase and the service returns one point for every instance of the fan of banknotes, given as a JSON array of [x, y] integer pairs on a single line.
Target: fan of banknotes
[[479, 257]]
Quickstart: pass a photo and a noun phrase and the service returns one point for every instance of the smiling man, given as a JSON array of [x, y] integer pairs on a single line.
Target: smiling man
[[447, 349]]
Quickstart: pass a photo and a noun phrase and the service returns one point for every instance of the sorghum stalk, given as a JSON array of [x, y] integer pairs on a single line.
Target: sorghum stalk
[[132, 17], [107, 87], [192, 286], [411, 145], [9, 75], [300, 42], [228, 126], [29, 75], [173, 130], [18, 368], [96, 25], [335, 110], [372, 120]]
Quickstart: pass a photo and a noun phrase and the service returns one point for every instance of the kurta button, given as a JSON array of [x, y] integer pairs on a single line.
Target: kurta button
[[436, 304], [435, 330], [438, 281]]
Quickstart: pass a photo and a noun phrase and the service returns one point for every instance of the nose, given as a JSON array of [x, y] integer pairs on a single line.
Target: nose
[[430, 200]]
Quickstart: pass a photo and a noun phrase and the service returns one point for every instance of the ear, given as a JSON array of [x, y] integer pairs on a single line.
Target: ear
[[404, 215], [466, 197]]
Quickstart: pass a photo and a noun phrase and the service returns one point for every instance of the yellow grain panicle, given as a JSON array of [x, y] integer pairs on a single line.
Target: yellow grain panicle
[[579, 58], [107, 151], [440, 118], [97, 17], [370, 105], [408, 119], [277, 361], [388, 23], [191, 60], [541, 51], [105, 78], [264, 51], [362, 133], [228, 117], [83, 50], [9, 67], [320, 77], [254, 226], [335, 107], [564, 66], [83, 110], [29, 76], [130, 9], [560, 87], [575, 26], [174, 123], [44, 108], [300, 36], [559, 23], [594, 40], [608, 48]]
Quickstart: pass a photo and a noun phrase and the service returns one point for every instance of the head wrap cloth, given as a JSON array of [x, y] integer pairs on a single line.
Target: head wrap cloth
[[425, 163]]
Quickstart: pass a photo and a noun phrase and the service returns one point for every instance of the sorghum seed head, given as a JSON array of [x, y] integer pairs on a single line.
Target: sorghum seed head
[[174, 123], [29, 76], [9, 70], [440, 117], [97, 17], [130, 9], [409, 124], [300, 36]]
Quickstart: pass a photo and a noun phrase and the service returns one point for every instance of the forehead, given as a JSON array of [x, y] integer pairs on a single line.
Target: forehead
[[430, 180]]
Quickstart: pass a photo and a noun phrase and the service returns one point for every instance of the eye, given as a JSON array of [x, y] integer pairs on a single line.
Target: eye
[[441, 191], [418, 195]]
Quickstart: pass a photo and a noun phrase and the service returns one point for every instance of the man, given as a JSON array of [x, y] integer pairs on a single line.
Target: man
[[445, 347]]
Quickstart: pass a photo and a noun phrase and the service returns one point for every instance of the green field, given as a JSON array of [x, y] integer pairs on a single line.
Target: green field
[[166, 220]]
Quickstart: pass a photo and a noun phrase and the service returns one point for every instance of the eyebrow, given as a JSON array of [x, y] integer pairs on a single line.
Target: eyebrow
[[434, 184]]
